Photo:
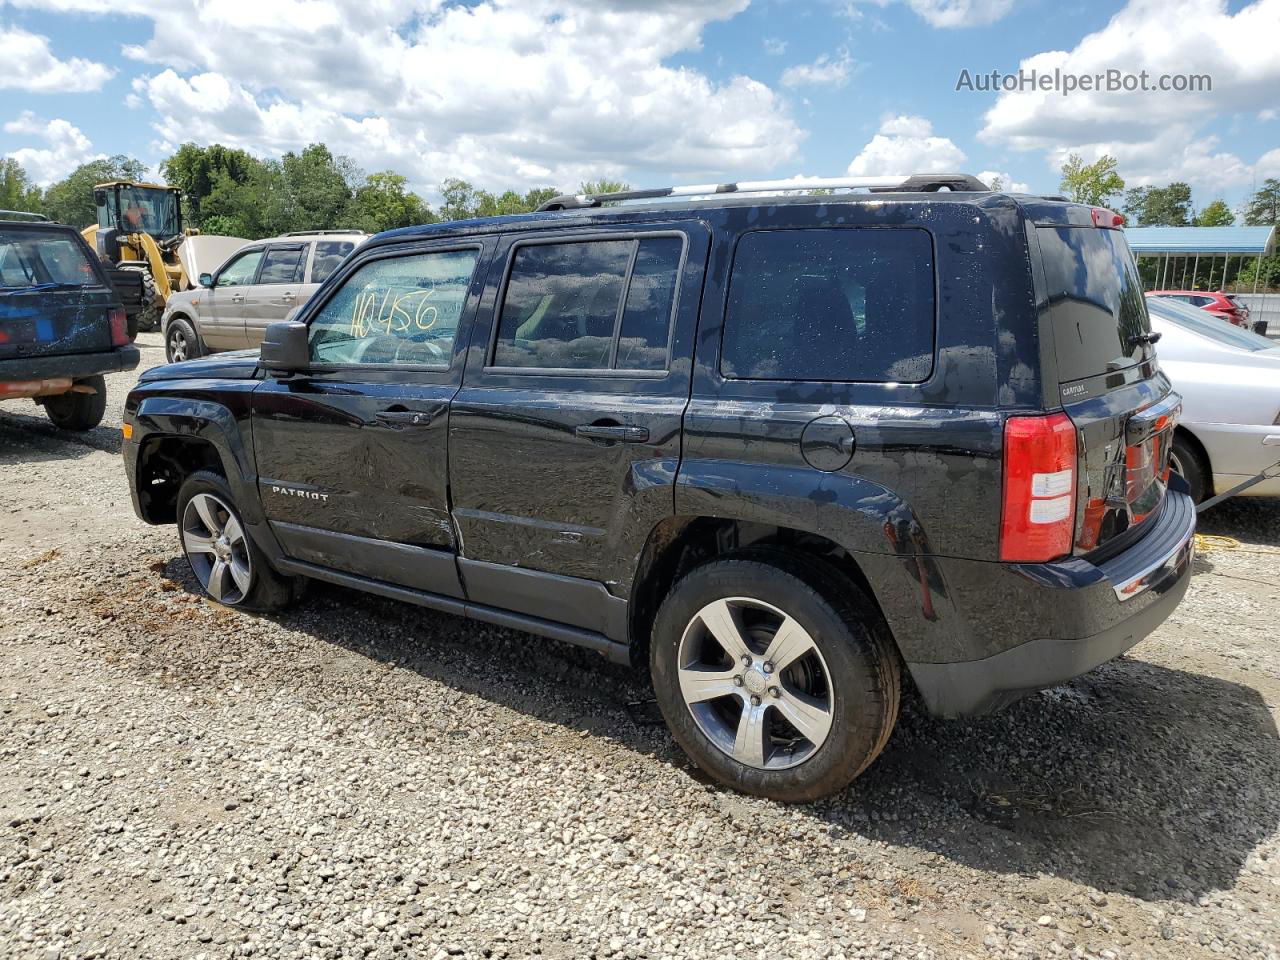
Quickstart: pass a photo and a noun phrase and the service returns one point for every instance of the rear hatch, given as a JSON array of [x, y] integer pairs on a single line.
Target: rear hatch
[[53, 297], [1108, 380]]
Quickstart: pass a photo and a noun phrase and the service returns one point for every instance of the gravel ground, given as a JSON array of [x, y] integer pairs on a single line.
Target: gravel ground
[[361, 778]]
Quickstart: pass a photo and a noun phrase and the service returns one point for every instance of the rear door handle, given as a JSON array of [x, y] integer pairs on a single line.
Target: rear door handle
[[237, 298], [614, 433], [287, 295], [404, 418]]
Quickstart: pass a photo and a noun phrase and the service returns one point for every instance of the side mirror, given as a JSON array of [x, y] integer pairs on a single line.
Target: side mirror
[[206, 279], [285, 347]]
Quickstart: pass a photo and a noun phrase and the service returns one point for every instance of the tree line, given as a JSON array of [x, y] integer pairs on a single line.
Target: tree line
[[1100, 184], [231, 192]]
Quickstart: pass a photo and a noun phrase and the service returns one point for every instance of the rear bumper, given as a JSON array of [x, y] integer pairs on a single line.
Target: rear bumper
[[70, 364], [1122, 600]]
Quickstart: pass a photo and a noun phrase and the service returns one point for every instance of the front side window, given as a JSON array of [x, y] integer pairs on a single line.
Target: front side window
[[839, 304], [397, 310], [590, 305], [329, 253], [283, 265], [241, 270]]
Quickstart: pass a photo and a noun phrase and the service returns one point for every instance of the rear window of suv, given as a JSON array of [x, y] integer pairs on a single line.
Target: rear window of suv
[[31, 258], [1096, 306], [852, 304]]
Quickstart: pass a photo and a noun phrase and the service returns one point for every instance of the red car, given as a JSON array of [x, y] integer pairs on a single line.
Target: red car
[[1224, 305]]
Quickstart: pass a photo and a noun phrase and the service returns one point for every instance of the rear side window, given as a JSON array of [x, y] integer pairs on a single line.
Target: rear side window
[[590, 305], [283, 265], [1096, 306], [329, 253], [844, 304], [29, 258]]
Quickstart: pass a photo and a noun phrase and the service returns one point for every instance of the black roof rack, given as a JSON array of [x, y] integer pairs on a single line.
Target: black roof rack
[[916, 183], [24, 216]]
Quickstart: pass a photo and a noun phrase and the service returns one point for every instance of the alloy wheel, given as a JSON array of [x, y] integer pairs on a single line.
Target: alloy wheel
[[177, 346], [755, 683], [214, 542]]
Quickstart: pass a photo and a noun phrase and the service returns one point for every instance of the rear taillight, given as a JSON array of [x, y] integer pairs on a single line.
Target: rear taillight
[[1107, 219], [119, 327], [1039, 513]]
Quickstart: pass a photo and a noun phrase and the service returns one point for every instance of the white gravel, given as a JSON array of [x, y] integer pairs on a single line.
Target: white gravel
[[360, 778]]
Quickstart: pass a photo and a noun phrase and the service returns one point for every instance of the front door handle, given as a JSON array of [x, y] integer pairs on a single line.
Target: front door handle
[[613, 433], [404, 418], [287, 295], [237, 298]]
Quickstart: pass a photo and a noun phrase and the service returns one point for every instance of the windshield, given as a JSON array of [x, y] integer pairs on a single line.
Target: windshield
[[37, 258], [147, 210], [1203, 324]]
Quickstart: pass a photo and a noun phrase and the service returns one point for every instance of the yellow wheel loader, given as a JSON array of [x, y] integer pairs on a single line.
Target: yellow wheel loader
[[140, 230]]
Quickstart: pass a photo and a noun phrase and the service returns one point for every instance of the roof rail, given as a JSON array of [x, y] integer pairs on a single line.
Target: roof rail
[[313, 233], [24, 215], [916, 183]]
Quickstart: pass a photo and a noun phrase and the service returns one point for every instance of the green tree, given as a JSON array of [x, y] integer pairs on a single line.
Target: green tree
[[195, 170], [1264, 270], [603, 186], [382, 202], [1216, 214], [463, 201], [1168, 206], [1093, 183], [319, 187], [1263, 208], [71, 200], [17, 192]]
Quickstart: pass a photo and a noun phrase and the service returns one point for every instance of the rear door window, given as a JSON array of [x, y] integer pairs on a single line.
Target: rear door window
[[283, 264], [852, 304], [1096, 307], [590, 305]]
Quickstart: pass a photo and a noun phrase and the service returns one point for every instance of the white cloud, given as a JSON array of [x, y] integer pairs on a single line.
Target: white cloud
[[940, 13], [29, 64], [1266, 116], [823, 72], [775, 46], [504, 92], [1156, 136], [905, 145], [1006, 181], [67, 147]]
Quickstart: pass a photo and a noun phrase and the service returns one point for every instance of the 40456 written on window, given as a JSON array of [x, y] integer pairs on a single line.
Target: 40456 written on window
[[400, 310]]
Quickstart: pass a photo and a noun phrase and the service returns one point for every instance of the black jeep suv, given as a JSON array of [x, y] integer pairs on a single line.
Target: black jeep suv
[[783, 450], [62, 325]]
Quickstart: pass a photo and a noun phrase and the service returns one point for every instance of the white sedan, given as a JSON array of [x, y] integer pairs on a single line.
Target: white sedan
[[1229, 379]]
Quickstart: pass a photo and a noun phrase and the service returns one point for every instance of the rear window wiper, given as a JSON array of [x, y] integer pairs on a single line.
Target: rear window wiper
[[1151, 338]]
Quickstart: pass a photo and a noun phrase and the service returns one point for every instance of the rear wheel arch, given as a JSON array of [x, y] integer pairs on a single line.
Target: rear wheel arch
[[678, 545]]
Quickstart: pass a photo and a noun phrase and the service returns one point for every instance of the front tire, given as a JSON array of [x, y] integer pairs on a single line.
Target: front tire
[[181, 341], [226, 562], [775, 674], [79, 411]]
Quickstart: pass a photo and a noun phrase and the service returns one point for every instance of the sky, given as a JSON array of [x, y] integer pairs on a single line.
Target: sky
[[524, 93]]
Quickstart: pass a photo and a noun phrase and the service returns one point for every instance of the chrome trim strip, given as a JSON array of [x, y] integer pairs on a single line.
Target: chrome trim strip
[[1168, 563]]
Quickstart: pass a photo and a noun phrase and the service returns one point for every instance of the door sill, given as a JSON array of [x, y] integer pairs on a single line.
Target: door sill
[[612, 650]]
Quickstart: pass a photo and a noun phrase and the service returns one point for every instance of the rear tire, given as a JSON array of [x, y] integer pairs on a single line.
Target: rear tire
[[79, 411], [181, 341], [1189, 463], [837, 674], [228, 565]]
